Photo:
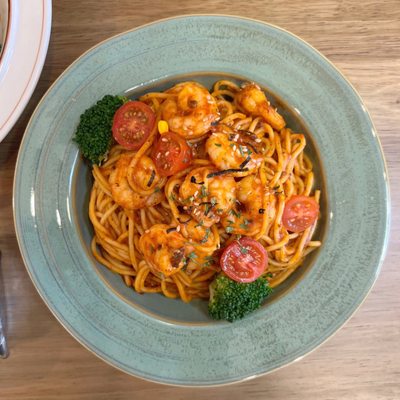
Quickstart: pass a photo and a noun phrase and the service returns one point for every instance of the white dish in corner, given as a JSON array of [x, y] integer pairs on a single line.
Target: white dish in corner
[[22, 58]]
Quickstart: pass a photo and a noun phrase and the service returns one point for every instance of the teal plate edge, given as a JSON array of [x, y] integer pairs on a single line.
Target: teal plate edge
[[357, 219]]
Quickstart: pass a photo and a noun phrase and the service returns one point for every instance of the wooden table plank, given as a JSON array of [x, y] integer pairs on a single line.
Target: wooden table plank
[[362, 361]]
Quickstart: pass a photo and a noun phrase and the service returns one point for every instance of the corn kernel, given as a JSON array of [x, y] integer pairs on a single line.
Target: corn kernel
[[163, 127]]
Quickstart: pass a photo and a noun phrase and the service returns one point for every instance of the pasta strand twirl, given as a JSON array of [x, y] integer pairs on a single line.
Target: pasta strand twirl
[[245, 166]]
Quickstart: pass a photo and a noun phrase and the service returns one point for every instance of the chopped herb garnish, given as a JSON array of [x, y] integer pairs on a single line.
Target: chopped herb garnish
[[269, 275], [241, 150], [229, 229], [200, 223], [192, 256], [209, 261], [218, 144], [157, 190], [243, 249], [203, 191], [188, 199], [245, 224], [252, 147], [152, 249], [208, 209], [172, 197], [206, 236], [235, 213], [193, 180]]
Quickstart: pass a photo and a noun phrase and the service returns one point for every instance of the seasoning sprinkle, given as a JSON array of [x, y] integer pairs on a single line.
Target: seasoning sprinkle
[[193, 180], [205, 238], [152, 176], [246, 161], [225, 172]]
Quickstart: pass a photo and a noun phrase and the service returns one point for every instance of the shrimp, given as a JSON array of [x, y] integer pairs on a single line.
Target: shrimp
[[252, 100], [122, 192], [144, 174], [228, 149], [163, 249], [191, 110], [200, 238], [167, 249], [201, 243], [207, 199], [245, 217]]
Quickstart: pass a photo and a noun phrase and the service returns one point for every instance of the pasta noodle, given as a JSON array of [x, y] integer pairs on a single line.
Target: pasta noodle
[[133, 210]]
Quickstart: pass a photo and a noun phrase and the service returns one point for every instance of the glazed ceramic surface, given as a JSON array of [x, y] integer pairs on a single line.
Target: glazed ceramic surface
[[166, 340], [23, 55]]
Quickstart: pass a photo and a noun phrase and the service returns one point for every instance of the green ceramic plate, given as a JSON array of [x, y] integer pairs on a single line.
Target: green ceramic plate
[[165, 340]]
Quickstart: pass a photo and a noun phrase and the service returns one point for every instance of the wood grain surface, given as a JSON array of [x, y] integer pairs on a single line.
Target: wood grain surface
[[362, 361]]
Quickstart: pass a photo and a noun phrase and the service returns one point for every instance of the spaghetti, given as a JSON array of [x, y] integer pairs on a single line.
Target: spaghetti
[[163, 234]]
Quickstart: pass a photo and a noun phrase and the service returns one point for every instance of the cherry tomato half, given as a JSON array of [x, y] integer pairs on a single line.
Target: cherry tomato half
[[244, 260], [300, 212], [171, 154], [132, 124]]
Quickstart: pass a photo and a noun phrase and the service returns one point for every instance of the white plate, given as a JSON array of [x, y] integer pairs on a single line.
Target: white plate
[[23, 57]]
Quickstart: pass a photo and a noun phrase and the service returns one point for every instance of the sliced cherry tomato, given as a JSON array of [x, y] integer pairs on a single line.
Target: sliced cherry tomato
[[132, 124], [171, 154], [244, 260], [300, 212]]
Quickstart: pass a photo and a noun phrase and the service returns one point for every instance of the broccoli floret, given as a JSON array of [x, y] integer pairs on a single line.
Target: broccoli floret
[[93, 134], [232, 300]]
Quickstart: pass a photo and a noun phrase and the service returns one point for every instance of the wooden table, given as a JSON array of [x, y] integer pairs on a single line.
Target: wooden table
[[362, 361]]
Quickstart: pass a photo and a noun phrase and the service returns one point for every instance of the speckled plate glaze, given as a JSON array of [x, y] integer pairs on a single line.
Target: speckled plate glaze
[[165, 340]]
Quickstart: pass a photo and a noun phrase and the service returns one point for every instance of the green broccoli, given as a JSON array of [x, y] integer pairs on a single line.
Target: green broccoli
[[93, 134], [232, 300]]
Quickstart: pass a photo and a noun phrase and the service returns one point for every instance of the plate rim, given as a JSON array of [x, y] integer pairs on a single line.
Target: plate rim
[[383, 250]]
